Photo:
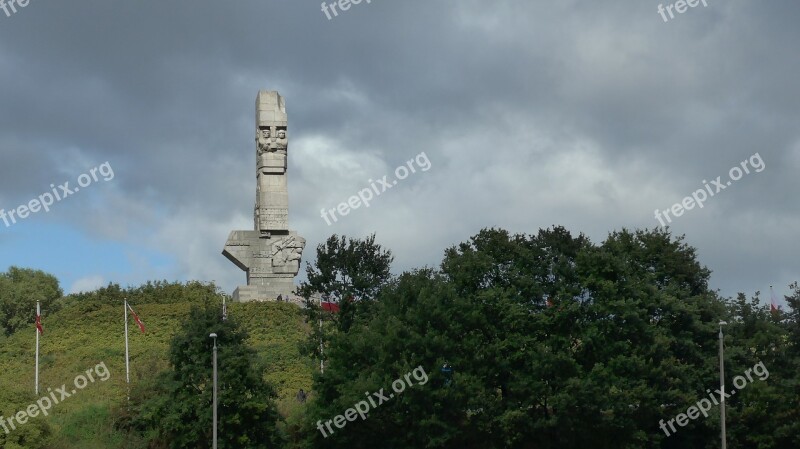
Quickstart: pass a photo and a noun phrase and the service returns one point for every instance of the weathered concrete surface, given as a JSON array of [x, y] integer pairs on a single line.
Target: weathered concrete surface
[[270, 254]]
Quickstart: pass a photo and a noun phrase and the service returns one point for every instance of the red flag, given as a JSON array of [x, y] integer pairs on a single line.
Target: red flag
[[329, 306], [136, 318], [774, 307], [39, 324]]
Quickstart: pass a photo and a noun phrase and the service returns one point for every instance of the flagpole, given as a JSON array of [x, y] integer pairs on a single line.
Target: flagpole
[[127, 361], [36, 329], [321, 347]]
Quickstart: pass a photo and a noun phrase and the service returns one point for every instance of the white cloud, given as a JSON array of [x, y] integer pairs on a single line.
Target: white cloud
[[88, 284]]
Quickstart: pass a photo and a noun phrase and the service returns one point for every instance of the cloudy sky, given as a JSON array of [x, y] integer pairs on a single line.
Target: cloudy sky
[[590, 115]]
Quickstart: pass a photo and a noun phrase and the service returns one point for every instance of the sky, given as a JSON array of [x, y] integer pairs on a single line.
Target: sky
[[590, 115]]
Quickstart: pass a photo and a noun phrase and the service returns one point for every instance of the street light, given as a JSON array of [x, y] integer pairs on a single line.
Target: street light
[[722, 385], [214, 336]]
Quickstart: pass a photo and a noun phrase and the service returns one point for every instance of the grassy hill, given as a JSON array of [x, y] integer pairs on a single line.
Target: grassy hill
[[84, 333]]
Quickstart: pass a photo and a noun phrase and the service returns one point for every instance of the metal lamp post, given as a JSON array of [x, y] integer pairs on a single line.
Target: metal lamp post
[[722, 386], [214, 431]]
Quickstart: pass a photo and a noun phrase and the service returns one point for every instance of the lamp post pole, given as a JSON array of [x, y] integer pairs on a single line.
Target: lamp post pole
[[214, 431], [722, 386]]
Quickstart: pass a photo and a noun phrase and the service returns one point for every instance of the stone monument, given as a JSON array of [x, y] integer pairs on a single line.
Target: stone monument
[[270, 254]]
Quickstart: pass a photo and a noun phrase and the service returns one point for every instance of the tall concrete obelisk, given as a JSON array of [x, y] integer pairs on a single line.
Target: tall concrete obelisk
[[271, 253]]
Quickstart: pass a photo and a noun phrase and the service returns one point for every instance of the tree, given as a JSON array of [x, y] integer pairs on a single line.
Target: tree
[[180, 413], [756, 335], [787, 434], [20, 288], [414, 324], [553, 342], [349, 271]]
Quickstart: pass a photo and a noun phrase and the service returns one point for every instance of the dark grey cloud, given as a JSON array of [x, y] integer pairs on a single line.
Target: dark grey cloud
[[533, 113]]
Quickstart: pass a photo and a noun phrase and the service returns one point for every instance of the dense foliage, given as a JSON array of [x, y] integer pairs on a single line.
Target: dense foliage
[[538, 341], [550, 341], [178, 410], [86, 329], [20, 289], [350, 272]]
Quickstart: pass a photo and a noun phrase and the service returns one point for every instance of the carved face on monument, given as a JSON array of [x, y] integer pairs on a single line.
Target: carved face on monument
[[263, 137], [271, 139], [280, 142]]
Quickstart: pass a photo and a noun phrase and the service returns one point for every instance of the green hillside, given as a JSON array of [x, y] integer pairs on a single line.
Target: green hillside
[[88, 331]]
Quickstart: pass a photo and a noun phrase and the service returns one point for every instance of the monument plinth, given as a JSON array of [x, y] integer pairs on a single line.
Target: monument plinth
[[269, 254]]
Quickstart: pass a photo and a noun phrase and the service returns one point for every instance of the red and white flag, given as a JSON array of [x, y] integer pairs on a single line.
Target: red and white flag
[[774, 307], [136, 318], [39, 321], [329, 306], [326, 304]]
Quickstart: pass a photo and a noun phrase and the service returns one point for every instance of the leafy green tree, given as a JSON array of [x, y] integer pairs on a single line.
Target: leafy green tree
[[351, 271], [180, 411], [646, 343], [553, 343], [348, 271], [787, 433], [20, 288], [768, 404], [411, 327]]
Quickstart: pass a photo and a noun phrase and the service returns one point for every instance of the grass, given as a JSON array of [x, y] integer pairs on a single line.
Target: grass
[[85, 333]]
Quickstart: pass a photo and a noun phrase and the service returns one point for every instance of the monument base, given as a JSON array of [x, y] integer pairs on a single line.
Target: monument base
[[271, 263], [248, 293]]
